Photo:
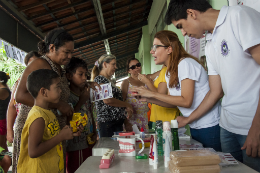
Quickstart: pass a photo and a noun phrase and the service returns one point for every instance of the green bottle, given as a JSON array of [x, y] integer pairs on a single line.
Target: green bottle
[[175, 137], [159, 133]]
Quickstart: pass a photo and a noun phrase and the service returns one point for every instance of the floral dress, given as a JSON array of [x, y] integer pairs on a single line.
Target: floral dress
[[140, 109], [24, 111]]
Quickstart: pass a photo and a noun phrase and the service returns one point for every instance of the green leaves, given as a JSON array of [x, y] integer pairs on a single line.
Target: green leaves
[[10, 66]]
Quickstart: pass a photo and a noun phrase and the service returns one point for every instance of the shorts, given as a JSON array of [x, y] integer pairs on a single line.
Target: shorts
[[3, 128]]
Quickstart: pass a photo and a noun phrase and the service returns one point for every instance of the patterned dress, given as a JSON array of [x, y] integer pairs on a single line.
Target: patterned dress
[[24, 111], [140, 109]]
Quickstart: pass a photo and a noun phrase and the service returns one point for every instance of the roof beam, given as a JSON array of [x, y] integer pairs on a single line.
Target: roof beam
[[80, 11], [57, 10], [102, 26], [109, 35], [34, 5]]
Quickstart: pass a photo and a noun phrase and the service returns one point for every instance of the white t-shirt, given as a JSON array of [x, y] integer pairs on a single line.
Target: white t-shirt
[[188, 68], [236, 30]]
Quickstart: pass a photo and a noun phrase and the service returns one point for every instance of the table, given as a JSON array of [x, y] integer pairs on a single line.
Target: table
[[127, 164]]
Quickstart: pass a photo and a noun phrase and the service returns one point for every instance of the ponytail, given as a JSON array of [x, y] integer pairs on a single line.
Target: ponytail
[[95, 72]]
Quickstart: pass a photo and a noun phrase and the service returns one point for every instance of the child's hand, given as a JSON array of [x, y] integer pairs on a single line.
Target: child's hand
[[80, 128], [66, 133], [84, 95]]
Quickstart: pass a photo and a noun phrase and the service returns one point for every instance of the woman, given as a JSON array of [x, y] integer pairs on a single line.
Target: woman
[[160, 86], [5, 96], [140, 109], [14, 107], [110, 112], [56, 49], [187, 82]]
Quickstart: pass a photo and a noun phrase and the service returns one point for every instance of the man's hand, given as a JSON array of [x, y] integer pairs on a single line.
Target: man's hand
[[182, 121], [93, 85], [252, 144]]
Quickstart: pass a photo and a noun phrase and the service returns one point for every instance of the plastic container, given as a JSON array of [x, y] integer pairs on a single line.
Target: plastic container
[[142, 134], [167, 132], [175, 136], [159, 133]]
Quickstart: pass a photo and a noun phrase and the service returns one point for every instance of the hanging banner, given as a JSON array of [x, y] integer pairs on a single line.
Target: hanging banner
[[13, 52], [195, 47], [255, 4]]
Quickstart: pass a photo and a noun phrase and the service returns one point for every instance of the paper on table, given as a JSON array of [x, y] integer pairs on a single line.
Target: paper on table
[[104, 93]]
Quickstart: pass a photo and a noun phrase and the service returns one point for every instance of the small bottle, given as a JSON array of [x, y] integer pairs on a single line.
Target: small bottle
[[167, 133], [159, 133], [175, 137], [142, 134]]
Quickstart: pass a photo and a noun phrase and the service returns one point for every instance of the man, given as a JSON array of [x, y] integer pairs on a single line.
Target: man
[[233, 58]]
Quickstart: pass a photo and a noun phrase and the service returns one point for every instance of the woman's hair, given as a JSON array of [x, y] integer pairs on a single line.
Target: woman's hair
[[99, 64], [128, 62], [169, 38], [58, 37], [30, 55], [74, 64], [3, 77]]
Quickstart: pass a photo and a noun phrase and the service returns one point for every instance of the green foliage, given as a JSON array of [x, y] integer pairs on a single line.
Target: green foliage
[[10, 66]]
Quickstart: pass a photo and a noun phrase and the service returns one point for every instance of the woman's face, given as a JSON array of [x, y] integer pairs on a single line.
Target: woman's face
[[110, 68], [64, 53], [136, 70], [161, 54]]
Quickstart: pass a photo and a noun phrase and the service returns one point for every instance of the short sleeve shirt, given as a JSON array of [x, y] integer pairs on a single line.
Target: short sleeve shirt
[[109, 113], [188, 68], [236, 30]]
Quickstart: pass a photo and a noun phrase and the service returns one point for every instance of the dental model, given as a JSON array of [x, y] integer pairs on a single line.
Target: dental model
[[107, 159]]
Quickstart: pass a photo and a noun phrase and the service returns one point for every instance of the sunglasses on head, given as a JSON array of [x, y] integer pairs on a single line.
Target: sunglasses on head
[[134, 66]]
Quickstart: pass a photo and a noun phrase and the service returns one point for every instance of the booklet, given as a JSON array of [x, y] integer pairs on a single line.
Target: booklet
[[104, 93]]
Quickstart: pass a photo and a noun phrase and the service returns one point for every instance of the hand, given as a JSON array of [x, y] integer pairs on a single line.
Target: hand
[[129, 110], [182, 121], [93, 85], [143, 78], [141, 91], [252, 144], [84, 95], [65, 109], [10, 136], [128, 126], [80, 128], [66, 133]]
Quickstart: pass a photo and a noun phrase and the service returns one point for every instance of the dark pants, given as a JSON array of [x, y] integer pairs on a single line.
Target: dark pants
[[107, 129], [209, 137], [232, 143]]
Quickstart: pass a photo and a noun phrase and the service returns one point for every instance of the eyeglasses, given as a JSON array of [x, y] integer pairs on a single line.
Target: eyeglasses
[[134, 66], [153, 48]]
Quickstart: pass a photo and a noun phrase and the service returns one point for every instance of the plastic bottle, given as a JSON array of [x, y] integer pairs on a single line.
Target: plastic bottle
[[167, 132], [167, 152], [175, 137], [155, 151], [151, 156], [142, 134], [159, 133]]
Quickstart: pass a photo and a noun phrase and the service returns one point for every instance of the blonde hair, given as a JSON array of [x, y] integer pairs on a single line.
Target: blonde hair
[[99, 65]]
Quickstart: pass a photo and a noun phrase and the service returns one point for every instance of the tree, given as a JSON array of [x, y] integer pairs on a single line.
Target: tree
[[10, 66]]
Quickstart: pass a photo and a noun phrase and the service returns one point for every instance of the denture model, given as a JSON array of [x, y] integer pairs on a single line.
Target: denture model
[[107, 159]]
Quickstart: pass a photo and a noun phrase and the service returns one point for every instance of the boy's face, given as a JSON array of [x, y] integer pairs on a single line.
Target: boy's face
[[190, 26], [79, 77], [55, 91]]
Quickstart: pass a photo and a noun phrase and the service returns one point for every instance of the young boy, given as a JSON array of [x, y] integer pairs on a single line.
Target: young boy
[[41, 148], [233, 58], [79, 149]]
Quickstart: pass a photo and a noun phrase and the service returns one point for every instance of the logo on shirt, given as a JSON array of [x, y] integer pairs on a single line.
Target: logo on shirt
[[53, 127], [224, 48]]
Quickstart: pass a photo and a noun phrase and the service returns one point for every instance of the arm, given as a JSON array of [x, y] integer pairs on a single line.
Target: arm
[[22, 94], [252, 143], [212, 97], [116, 103], [154, 75], [185, 100], [11, 115], [36, 147], [124, 88], [84, 96], [160, 103], [147, 81]]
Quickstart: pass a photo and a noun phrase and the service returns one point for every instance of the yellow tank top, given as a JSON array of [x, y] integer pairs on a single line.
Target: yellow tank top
[[159, 112], [52, 161]]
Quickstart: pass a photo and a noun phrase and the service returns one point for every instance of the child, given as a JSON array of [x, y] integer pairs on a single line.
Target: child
[[78, 149], [41, 147]]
